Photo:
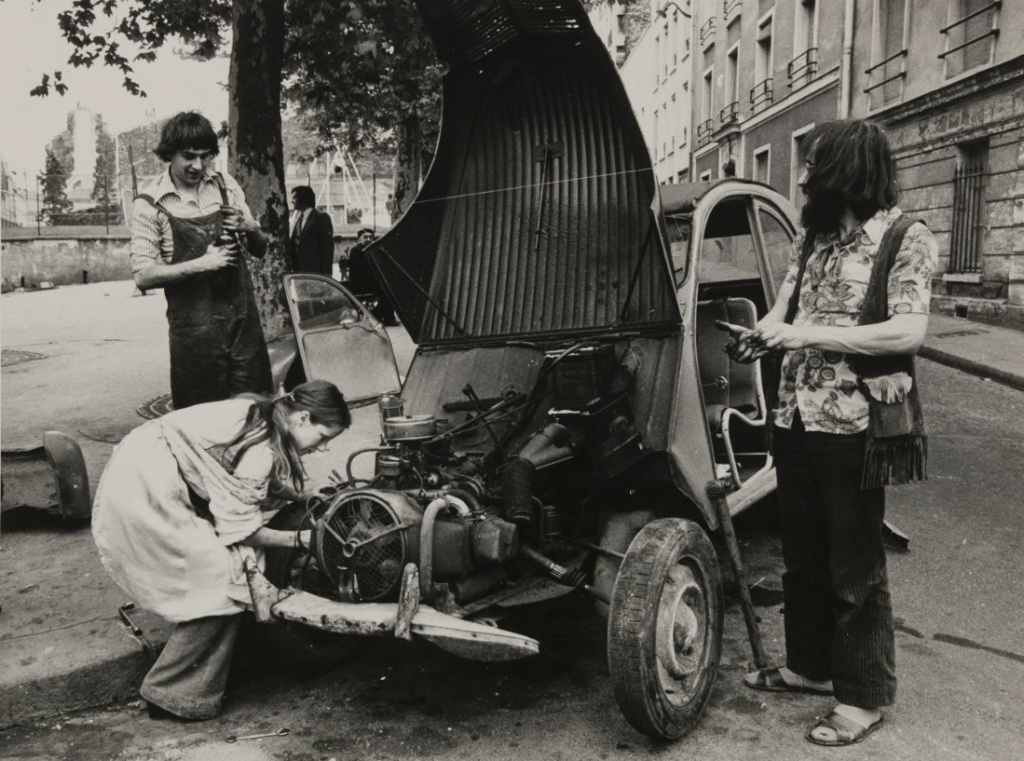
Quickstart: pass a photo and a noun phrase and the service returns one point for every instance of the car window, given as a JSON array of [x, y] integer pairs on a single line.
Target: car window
[[678, 227], [727, 251], [778, 241], [321, 304]]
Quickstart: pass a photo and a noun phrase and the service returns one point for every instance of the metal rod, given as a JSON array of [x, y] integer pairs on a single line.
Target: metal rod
[[716, 491], [962, 45], [969, 16]]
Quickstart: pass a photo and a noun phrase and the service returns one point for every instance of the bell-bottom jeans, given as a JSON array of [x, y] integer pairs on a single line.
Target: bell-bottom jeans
[[838, 612]]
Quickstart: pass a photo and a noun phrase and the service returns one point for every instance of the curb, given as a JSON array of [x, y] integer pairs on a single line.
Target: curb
[[1003, 377], [88, 665], [99, 684]]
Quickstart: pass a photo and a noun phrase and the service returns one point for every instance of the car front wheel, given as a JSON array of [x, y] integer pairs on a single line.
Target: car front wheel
[[665, 628]]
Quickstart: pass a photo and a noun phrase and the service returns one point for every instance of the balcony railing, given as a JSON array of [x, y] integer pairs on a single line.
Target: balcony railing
[[901, 71], [730, 7], [707, 31], [704, 130], [762, 95], [803, 68], [730, 113]]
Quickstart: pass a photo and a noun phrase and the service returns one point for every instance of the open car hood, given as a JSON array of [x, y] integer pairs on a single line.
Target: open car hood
[[537, 215]]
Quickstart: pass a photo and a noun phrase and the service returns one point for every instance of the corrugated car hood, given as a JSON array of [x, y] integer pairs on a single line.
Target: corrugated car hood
[[536, 215]]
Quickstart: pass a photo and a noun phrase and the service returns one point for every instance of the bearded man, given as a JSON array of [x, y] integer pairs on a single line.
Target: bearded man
[[849, 318]]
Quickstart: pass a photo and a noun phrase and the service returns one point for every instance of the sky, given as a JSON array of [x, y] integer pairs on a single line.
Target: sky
[[31, 45]]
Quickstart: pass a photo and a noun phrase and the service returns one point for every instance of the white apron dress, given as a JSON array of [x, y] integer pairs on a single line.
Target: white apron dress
[[157, 548]]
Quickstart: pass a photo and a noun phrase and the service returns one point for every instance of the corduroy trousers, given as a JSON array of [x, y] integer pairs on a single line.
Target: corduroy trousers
[[838, 611], [189, 677]]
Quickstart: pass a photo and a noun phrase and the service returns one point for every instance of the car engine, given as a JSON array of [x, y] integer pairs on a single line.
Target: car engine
[[475, 518]]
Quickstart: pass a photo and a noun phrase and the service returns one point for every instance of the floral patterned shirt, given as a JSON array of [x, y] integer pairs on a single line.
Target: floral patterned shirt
[[819, 383]]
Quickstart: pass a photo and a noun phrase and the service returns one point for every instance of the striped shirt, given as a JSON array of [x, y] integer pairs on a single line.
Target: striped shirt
[[152, 241]]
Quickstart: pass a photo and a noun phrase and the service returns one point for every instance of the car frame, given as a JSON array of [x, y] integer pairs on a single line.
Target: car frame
[[570, 422]]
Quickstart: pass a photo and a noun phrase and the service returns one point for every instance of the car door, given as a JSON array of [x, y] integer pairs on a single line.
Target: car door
[[339, 340]]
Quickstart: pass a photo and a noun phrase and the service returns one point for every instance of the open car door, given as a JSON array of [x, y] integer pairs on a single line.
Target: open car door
[[339, 340]]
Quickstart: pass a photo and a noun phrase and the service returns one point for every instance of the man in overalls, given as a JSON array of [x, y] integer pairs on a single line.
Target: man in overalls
[[188, 231]]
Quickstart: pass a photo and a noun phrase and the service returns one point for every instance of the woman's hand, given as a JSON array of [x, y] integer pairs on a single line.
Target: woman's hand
[[302, 539]]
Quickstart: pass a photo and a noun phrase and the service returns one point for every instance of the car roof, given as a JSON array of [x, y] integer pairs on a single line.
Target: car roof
[[685, 196]]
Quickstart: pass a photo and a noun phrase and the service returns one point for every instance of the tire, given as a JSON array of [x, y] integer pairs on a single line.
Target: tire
[[662, 675], [303, 646]]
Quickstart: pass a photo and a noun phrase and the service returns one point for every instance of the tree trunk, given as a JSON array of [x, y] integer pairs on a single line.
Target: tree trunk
[[256, 157], [408, 165]]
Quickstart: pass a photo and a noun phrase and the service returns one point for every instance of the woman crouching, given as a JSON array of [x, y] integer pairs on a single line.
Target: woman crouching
[[177, 512]]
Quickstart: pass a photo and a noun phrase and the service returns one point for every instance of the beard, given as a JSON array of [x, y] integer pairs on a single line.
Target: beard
[[822, 210]]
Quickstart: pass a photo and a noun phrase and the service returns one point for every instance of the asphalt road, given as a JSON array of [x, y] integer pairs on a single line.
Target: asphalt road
[[960, 653]]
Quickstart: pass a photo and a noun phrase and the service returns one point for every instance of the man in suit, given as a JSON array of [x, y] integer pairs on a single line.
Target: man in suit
[[362, 282], [312, 235]]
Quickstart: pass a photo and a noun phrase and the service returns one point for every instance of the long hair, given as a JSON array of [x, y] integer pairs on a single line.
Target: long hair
[[189, 129], [268, 420], [850, 159]]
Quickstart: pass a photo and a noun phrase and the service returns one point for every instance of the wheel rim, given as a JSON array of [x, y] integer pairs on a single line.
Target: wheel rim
[[682, 632]]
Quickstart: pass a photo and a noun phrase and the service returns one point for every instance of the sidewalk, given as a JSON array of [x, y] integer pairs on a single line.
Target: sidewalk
[[95, 355]]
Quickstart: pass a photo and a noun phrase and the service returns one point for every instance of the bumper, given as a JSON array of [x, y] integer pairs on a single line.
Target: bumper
[[404, 619]]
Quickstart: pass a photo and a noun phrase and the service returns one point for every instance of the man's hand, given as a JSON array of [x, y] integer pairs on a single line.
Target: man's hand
[[218, 258], [781, 336], [233, 220], [744, 346]]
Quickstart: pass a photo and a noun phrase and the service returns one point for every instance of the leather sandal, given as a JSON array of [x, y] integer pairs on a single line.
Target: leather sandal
[[771, 680], [847, 731]]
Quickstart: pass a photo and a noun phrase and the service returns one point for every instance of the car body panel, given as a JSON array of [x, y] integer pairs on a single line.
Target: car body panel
[[537, 215]]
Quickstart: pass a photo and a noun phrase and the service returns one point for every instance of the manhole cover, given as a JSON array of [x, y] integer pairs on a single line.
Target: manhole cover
[[17, 356], [154, 408]]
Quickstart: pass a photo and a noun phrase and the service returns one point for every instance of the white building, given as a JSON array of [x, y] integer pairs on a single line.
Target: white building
[[656, 73]]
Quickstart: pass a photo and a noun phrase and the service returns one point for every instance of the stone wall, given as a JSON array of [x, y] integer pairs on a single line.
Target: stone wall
[[30, 260], [62, 261]]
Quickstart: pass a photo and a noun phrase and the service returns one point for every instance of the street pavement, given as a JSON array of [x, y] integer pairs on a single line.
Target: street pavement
[[82, 360]]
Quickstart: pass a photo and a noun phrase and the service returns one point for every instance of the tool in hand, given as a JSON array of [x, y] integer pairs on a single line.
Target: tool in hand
[[278, 733]]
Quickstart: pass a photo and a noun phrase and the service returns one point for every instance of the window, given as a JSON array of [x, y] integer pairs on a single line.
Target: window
[[804, 66], [321, 305], [678, 228], [675, 122], [762, 164], [763, 64], [888, 53], [732, 75], [654, 136], [666, 51], [673, 41], [727, 252], [970, 32], [707, 101], [968, 208], [778, 241], [705, 175], [667, 130], [796, 164], [657, 59]]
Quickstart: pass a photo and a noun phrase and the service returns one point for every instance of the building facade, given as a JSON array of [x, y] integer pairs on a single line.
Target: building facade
[[656, 74], [946, 77]]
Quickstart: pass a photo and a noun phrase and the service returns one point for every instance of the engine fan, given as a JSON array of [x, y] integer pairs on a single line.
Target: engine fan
[[364, 540]]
